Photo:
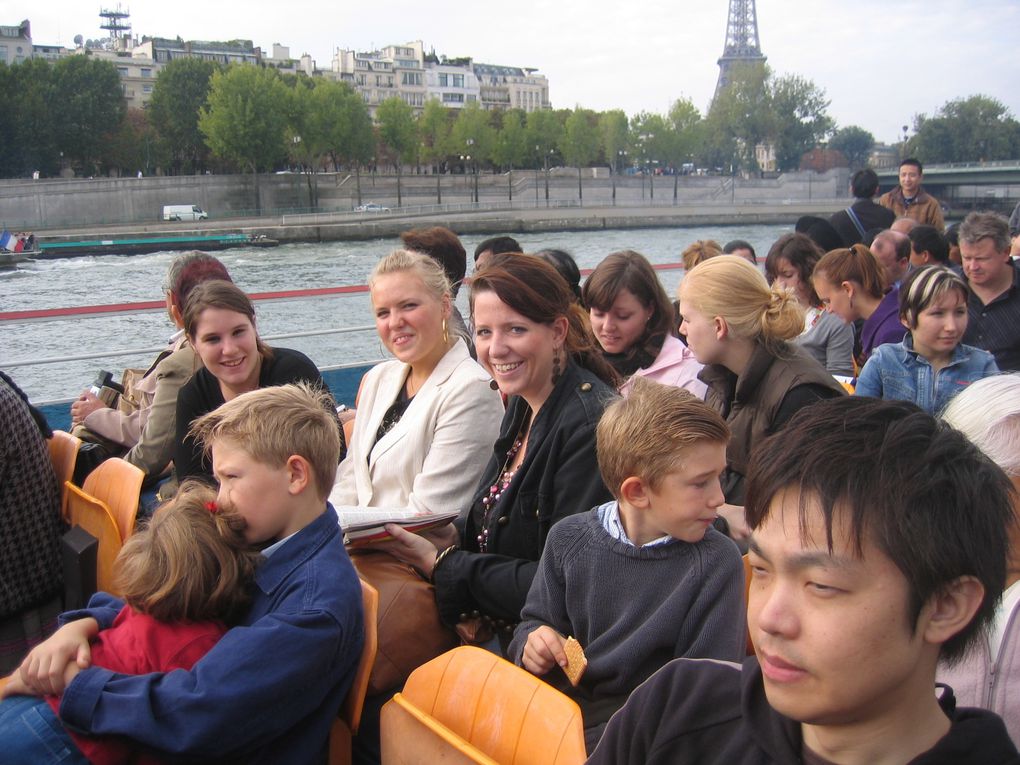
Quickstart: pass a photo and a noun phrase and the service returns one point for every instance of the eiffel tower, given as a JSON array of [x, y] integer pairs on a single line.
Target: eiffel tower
[[741, 41]]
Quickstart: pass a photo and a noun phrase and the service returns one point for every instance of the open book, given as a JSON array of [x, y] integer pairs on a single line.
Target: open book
[[362, 525]]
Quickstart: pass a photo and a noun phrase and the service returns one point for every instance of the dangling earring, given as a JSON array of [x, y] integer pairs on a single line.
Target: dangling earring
[[446, 335], [556, 372]]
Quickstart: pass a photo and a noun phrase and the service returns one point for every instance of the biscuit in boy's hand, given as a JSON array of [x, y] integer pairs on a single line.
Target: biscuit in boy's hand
[[577, 663]]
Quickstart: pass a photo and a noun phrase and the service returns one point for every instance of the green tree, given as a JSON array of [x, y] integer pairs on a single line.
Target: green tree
[[740, 118], [614, 137], [316, 108], [434, 129], [511, 149], [135, 146], [91, 107], [27, 133], [351, 137], [855, 143], [244, 122], [976, 128], [398, 132], [472, 136], [801, 121], [684, 137], [651, 137], [543, 130], [580, 143], [180, 91]]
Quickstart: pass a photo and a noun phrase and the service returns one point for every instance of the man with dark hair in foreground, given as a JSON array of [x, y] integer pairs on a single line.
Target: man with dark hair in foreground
[[878, 545]]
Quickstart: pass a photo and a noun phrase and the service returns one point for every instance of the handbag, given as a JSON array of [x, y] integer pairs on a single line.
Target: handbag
[[410, 632]]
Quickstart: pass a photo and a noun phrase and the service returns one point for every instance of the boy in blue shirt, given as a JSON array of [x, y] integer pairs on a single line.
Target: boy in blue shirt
[[644, 579], [270, 689]]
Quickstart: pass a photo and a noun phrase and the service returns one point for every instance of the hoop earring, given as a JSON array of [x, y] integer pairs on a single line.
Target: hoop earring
[[446, 334], [556, 371]]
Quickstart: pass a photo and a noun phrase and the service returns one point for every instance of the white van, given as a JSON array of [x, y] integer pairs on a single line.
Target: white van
[[184, 212]]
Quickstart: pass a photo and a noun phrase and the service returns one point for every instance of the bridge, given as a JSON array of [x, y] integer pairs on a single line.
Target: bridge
[[968, 185]]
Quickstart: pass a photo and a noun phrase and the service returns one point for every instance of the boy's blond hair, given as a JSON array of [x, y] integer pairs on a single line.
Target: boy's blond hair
[[646, 434], [272, 424], [190, 562]]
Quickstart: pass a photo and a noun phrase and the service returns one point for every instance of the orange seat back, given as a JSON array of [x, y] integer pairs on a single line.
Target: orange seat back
[[118, 484], [94, 516], [63, 455], [346, 725], [485, 708]]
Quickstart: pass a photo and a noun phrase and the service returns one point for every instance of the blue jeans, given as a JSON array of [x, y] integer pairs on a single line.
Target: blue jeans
[[31, 733]]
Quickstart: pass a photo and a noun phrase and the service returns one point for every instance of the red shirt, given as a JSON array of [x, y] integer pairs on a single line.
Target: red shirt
[[137, 644]]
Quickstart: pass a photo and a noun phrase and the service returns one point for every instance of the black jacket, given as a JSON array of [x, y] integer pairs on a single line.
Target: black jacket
[[559, 477], [871, 216], [707, 712]]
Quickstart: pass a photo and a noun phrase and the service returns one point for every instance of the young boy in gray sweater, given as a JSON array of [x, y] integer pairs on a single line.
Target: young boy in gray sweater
[[644, 579]]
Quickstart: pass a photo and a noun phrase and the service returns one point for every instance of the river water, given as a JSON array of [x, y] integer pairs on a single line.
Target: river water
[[120, 279]]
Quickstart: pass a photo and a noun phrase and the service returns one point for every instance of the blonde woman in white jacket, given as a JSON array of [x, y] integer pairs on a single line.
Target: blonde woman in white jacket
[[426, 421]]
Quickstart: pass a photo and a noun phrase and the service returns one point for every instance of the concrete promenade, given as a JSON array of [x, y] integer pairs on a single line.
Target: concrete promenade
[[324, 227]]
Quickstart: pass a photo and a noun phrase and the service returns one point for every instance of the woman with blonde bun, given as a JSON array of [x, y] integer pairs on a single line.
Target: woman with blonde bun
[[737, 327]]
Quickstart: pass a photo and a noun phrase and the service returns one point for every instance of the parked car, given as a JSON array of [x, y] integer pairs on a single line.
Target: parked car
[[184, 212], [371, 207]]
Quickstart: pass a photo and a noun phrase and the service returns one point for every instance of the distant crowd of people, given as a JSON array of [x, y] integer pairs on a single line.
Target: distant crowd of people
[[846, 418]]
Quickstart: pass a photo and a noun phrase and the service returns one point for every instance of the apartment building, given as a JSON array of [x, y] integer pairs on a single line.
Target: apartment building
[[16, 43], [137, 73], [282, 61], [396, 70], [453, 84], [161, 50], [511, 87]]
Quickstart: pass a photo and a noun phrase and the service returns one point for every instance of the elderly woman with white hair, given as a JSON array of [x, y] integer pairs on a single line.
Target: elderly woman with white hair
[[988, 413]]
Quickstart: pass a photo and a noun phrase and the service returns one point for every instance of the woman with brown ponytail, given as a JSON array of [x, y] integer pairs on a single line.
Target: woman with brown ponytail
[[851, 284], [738, 327], [533, 338]]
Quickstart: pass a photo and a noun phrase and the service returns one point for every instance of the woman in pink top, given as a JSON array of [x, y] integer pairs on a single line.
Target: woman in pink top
[[634, 322]]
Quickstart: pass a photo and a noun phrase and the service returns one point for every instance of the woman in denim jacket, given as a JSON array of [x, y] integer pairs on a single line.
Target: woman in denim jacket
[[931, 365]]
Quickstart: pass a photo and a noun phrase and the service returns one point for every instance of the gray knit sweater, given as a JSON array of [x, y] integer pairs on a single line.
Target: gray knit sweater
[[633, 609]]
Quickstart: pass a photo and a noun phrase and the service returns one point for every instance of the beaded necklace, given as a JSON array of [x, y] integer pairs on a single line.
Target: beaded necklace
[[503, 480]]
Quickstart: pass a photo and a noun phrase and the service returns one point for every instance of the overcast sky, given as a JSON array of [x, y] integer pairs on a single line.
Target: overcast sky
[[879, 62]]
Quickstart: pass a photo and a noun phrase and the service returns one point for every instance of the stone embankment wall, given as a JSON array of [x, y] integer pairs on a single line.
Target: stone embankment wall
[[79, 203]]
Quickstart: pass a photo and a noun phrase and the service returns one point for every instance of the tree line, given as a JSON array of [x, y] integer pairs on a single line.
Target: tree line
[[204, 117]]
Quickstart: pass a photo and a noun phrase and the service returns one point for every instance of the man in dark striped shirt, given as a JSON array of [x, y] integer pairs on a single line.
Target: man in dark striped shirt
[[994, 305]]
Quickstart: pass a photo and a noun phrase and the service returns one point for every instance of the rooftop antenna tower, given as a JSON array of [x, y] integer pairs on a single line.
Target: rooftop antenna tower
[[115, 21], [742, 46]]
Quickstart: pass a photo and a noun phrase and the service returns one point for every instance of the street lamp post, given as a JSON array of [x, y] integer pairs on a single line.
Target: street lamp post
[[474, 167], [546, 159], [536, 175]]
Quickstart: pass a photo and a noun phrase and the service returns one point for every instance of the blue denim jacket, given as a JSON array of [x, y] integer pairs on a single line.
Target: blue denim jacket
[[896, 371]]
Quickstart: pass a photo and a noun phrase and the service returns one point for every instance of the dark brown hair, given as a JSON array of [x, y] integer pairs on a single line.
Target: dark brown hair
[[802, 253], [223, 295], [189, 563], [537, 291], [443, 246], [629, 270]]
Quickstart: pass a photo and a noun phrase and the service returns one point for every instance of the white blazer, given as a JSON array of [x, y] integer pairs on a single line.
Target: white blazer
[[433, 458]]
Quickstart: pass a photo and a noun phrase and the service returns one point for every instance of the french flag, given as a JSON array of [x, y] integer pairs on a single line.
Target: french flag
[[10, 242]]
